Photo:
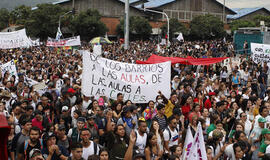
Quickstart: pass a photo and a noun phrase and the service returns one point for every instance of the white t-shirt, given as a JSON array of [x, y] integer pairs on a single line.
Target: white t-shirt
[[248, 126], [174, 136], [267, 149], [89, 150], [141, 141], [229, 152]]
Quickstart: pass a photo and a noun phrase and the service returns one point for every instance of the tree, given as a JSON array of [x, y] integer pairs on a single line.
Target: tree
[[20, 15], [4, 18], [206, 27], [139, 28], [88, 25], [43, 21], [258, 18], [241, 23], [175, 26]]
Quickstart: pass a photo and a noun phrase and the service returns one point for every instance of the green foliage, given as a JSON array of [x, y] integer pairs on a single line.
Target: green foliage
[[120, 28], [241, 23], [175, 26], [88, 25], [259, 18], [139, 28], [4, 18], [43, 21], [20, 15], [206, 27]]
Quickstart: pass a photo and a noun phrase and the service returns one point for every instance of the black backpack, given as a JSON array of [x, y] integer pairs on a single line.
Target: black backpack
[[170, 134]]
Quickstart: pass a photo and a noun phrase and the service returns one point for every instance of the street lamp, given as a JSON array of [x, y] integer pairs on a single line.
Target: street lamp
[[168, 21], [126, 24], [59, 23]]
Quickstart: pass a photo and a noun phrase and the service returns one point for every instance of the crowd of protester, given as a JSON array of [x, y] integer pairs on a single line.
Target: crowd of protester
[[232, 103]]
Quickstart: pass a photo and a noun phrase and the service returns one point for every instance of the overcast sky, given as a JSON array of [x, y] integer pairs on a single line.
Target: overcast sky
[[247, 3]]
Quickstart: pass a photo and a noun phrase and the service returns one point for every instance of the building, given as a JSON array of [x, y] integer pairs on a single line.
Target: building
[[186, 10], [183, 10], [248, 13], [113, 10], [11, 4]]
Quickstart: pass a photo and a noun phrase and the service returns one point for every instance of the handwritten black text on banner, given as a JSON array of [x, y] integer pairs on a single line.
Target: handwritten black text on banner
[[138, 83], [260, 53]]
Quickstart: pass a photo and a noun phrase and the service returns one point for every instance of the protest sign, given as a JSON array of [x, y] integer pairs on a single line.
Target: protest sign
[[97, 49], [72, 41], [9, 67], [198, 151], [40, 88], [16, 39], [260, 53], [138, 83], [30, 81]]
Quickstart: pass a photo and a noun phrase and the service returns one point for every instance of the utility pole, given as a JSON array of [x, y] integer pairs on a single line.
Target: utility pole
[[168, 21], [126, 24], [224, 18]]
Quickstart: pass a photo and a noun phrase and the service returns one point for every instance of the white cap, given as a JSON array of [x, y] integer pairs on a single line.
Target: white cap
[[64, 108]]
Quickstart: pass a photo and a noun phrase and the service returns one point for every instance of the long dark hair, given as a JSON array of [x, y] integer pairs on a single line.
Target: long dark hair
[[118, 140], [159, 131], [148, 141], [104, 150]]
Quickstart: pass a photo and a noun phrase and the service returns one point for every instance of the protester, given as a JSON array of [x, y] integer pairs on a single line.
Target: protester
[[229, 104]]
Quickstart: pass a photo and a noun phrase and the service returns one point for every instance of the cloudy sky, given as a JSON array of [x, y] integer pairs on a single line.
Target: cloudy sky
[[247, 3]]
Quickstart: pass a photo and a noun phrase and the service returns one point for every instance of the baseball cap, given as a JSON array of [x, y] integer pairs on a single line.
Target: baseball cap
[[81, 119], [100, 101], [91, 116], [126, 109], [71, 90], [212, 94], [61, 127], [262, 120], [34, 152], [64, 108], [265, 131]]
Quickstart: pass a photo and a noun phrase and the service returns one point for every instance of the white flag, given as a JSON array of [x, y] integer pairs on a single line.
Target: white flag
[[58, 34], [180, 37], [197, 151], [30, 81], [188, 144], [158, 48]]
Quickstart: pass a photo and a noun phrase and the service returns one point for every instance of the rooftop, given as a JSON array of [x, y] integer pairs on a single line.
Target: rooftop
[[241, 12]]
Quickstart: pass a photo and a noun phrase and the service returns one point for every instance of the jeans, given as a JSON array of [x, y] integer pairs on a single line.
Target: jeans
[[263, 90]]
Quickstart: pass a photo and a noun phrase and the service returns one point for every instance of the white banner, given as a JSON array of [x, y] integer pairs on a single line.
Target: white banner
[[197, 151], [9, 67], [72, 41], [16, 39], [97, 49], [260, 53], [138, 83]]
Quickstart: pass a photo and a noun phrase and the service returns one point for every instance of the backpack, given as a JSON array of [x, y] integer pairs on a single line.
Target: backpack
[[170, 134], [75, 135], [26, 143], [95, 148]]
